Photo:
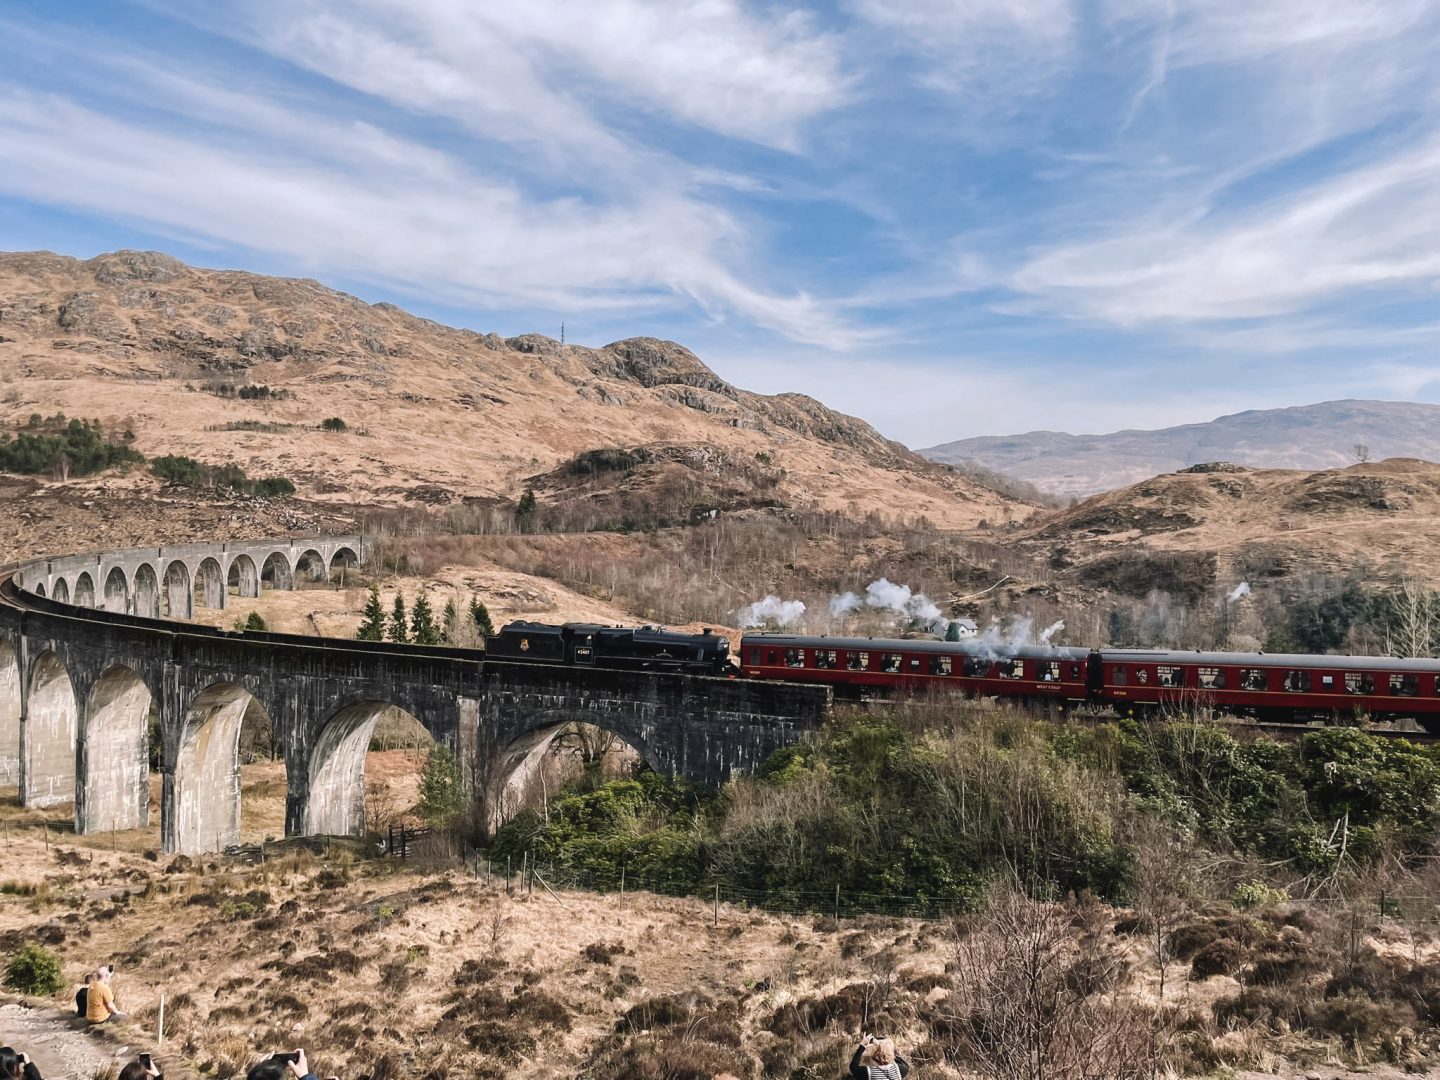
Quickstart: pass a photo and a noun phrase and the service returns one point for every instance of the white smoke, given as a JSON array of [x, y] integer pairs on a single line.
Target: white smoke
[[772, 609], [1243, 589], [885, 595], [1000, 640], [1051, 630], [843, 605]]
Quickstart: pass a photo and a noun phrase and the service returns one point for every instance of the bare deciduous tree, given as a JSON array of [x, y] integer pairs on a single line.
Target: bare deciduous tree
[[1036, 1004], [1360, 452], [1413, 620], [1163, 868]]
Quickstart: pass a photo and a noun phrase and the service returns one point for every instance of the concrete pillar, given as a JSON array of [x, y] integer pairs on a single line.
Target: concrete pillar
[[204, 791], [335, 800], [210, 581], [147, 592], [9, 715], [178, 594], [48, 725], [117, 591], [244, 577], [113, 788]]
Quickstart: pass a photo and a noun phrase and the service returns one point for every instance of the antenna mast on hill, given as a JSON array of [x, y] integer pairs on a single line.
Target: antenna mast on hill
[[562, 333]]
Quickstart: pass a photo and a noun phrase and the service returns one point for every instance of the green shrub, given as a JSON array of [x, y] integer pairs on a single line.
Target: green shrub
[[69, 448], [178, 469], [1257, 894], [234, 910], [333, 423], [34, 970]]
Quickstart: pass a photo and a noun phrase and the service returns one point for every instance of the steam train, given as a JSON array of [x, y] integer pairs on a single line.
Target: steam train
[[1279, 687], [648, 648]]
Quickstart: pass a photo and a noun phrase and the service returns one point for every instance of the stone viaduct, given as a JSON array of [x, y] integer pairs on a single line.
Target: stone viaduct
[[94, 666]]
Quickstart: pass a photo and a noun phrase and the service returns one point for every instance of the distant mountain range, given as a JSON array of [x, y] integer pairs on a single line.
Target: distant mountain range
[[1322, 436]]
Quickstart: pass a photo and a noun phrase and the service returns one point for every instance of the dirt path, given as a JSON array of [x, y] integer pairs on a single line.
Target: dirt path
[[62, 1047]]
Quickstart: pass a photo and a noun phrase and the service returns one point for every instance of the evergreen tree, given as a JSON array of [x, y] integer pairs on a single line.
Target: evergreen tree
[[423, 630], [441, 796], [525, 511], [373, 628], [450, 623], [481, 617], [398, 630], [952, 632], [253, 621]]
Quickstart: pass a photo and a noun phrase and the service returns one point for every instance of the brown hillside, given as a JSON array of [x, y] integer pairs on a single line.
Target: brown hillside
[[435, 414], [1255, 522]]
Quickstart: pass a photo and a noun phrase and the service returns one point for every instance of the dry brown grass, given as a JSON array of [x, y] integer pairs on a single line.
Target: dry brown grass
[[446, 975]]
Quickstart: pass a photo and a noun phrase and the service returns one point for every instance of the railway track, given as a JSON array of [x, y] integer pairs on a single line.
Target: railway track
[[13, 597]]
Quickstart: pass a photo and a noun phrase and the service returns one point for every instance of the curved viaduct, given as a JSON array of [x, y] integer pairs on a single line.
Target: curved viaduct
[[90, 648]]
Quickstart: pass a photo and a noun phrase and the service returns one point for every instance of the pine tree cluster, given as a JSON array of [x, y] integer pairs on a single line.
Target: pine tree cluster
[[417, 626]]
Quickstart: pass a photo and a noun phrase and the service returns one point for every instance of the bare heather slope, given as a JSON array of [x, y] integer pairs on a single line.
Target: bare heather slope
[[1247, 522], [1319, 436], [435, 414]]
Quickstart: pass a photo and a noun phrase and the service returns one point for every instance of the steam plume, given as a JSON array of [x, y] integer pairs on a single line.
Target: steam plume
[[772, 609]]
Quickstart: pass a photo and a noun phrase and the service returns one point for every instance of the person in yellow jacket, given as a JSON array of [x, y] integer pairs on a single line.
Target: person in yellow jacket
[[100, 1001]]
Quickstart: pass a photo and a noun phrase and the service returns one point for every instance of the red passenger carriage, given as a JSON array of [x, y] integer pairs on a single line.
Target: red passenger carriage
[[858, 665], [1278, 686]]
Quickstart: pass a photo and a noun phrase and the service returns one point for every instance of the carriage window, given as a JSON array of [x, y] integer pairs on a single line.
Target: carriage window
[[755, 656], [940, 665], [794, 657], [825, 658], [774, 656], [977, 667], [1359, 682], [914, 663], [1297, 681], [1253, 679], [1211, 678], [1404, 685], [1142, 675], [1169, 676], [1012, 669], [858, 661], [890, 661], [1047, 670], [1119, 675], [1075, 670]]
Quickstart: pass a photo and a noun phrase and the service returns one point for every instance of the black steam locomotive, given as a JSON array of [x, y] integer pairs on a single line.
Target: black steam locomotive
[[647, 648]]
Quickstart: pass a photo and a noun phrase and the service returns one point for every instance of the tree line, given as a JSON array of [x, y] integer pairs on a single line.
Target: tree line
[[419, 626], [68, 448]]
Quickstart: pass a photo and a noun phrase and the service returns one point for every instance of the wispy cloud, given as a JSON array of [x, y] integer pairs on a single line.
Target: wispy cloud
[[433, 228], [531, 71], [997, 210], [1374, 226]]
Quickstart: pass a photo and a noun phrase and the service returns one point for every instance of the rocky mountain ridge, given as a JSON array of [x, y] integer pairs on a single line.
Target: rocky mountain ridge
[[148, 344], [1321, 436]]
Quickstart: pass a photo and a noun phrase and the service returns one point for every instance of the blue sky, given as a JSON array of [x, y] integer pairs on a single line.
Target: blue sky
[[950, 217]]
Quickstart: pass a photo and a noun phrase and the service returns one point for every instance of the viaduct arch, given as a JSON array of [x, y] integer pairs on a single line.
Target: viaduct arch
[[83, 672]]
